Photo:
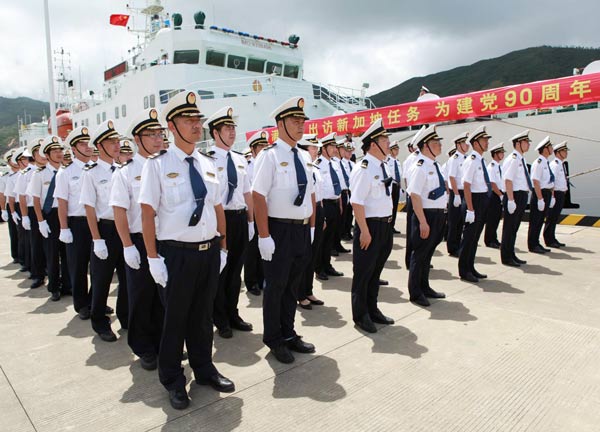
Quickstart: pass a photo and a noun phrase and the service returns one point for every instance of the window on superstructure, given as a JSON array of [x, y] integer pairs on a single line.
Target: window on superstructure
[[186, 56], [215, 58], [117, 112], [274, 68], [108, 93], [291, 71], [145, 102], [236, 62], [123, 111], [98, 121], [75, 125], [152, 101], [256, 65], [104, 116], [206, 94]]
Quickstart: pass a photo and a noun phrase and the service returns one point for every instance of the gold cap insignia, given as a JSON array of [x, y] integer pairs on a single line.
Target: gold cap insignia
[[110, 124], [230, 112], [263, 135], [84, 131], [191, 98], [153, 114], [301, 103]]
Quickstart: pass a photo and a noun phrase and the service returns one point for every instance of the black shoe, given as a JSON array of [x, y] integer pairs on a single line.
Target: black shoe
[[307, 306], [555, 245], [241, 325], [347, 237], [334, 253], [545, 249], [84, 313], [383, 282], [55, 296], [494, 245], [316, 302], [109, 310], [254, 290], [298, 345], [342, 249], [479, 275], [218, 382], [225, 332], [538, 250], [24, 269], [366, 324], [108, 336], [379, 318], [148, 362], [519, 261], [395, 231], [453, 254], [561, 244], [511, 263], [434, 294], [37, 283], [322, 276], [421, 301], [333, 272], [283, 354], [179, 399], [469, 277]]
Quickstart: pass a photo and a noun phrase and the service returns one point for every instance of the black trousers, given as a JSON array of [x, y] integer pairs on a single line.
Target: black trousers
[[24, 244], [331, 212], [409, 215], [146, 311], [492, 220], [230, 279], [102, 273], [341, 226], [283, 275], [78, 257], [36, 244], [14, 237], [511, 225], [347, 217], [456, 220], [536, 218], [367, 266], [253, 269], [56, 257], [551, 218], [471, 234], [422, 250], [305, 288], [395, 200], [189, 298]]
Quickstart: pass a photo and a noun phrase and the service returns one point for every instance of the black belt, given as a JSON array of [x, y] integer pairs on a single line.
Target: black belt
[[387, 219], [137, 235], [77, 218], [434, 210], [106, 222], [199, 246], [237, 212], [547, 189], [290, 221], [334, 201]]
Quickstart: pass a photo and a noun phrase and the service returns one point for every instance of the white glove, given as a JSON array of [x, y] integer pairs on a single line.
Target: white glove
[[511, 206], [4, 215], [541, 205], [44, 228], [312, 235], [470, 217], [158, 270], [223, 260], [457, 201], [552, 204], [251, 231], [66, 236], [16, 218], [266, 246], [26, 223], [132, 257], [100, 249]]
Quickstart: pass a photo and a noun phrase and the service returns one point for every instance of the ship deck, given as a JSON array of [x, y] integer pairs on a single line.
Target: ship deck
[[518, 352]]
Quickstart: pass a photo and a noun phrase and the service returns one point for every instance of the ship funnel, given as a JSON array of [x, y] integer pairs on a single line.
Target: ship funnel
[[199, 18], [177, 20]]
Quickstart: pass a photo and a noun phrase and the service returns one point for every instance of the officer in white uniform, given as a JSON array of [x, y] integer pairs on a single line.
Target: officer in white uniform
[[393, 167], [180, 186], [10, 208], [561, 187], [146, 311], [429, 199], [494, 213], [477, 193], [24, 253], [74, 229], [409, 162], [542, 198], [517, 184], [457, 208], [284, 203], [371, 185], [347, 151], [107, 250], [236, 199], [254, 277], [41, 188], [345, 169]]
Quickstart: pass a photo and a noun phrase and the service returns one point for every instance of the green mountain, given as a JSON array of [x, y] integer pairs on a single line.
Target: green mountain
[[10, 109], [517, 67]]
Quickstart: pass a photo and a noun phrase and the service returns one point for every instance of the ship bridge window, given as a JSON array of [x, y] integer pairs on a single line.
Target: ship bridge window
[[98, 121], [104, 116], [236, 62], [206, 94], [256, 65], [186, 56], [145, 102], [117, 112], [165, 95], [123, 111], [274, 68], [152, 101], [215, 58], [291, 71]]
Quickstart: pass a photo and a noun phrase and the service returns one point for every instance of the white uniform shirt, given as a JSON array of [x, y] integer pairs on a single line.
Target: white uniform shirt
[[167, 188], [325, 166], [367, 187], [9, 189], [40, 182], [243, 179], [409, 162], [68, 187], [391, 168], [95, 189], [125, 191], [454, 167], [317, 183], [275, 179], [23, 182], [540, 171], [495, 175], [472, 173], [560, 176], [348, 166], [424, 179], [337, 161], [250, 170], [512, 169], [3, 179]]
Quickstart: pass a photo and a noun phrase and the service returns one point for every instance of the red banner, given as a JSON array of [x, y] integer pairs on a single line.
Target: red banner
[[119, 20], [566, 91]]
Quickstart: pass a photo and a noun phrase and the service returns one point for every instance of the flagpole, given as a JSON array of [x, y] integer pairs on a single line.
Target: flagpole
[[53, 123]]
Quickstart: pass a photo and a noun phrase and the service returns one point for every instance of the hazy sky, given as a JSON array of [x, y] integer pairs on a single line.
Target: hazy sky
[[382, 42]]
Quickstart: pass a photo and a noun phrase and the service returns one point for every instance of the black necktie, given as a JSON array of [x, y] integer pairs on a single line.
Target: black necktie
[[552, 178], [300, 178], [441, 189], [50, 195], [335, 180], [486, 177], [396, 171], [232, 179], [113, 168], [527, 175], [346, 178], [500, 169], [386, 180], [199, 189]]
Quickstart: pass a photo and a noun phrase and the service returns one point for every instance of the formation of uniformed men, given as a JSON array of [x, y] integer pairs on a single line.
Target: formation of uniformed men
[[178, 226]]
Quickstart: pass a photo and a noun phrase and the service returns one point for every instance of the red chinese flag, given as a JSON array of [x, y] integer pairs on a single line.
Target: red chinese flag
[[119, 20]]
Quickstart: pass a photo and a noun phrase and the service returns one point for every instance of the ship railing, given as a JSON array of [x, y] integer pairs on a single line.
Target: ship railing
[[343, 98]]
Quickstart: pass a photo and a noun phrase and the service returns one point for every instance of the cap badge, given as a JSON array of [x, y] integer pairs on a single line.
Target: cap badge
[[153, 114], [191, 98], [301, 103]]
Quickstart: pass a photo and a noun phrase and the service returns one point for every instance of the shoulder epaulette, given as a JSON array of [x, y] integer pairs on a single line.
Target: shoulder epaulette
[[160, 153], [270, 147], [473, 157], [539, 160], [455, 156], [514, 155], [556, 160], [40, 169], [4, 174], [123, 165], [67, 165], [237, 152], [208, 155], [364, 163], [90, 166], [420, 162]]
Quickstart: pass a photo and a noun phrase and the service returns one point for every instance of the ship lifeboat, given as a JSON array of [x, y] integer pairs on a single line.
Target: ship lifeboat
[[64, 123]]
